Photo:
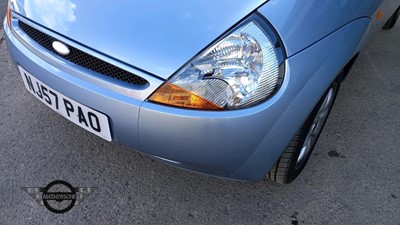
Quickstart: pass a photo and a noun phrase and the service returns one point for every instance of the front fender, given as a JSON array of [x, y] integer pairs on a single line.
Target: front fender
[[303, 23], [310, 73]]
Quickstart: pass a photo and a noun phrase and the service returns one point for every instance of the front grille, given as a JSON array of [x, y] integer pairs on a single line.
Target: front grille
[[81, 58]]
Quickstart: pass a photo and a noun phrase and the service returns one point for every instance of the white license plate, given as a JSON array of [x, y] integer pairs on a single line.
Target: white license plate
[[83, 116]]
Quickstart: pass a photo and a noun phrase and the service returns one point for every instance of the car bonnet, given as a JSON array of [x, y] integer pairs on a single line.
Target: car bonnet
[[155, 36]]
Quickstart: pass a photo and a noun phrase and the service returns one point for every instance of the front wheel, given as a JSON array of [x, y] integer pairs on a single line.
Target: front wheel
[[296, 155], [392, 20]]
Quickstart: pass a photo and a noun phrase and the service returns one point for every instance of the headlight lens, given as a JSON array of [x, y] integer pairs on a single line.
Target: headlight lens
[[240, 70]]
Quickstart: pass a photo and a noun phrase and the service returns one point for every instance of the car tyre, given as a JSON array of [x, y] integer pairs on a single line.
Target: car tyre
[[296, 155], [392, 20]]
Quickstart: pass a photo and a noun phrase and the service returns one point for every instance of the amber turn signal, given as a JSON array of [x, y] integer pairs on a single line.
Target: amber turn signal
[[379, 14], [173, 95], [9, 15]]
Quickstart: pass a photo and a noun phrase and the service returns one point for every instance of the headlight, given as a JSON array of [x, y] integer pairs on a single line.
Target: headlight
[[9, 14], [241, 69]]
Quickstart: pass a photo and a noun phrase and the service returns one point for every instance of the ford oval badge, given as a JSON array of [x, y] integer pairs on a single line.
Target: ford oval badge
[[60, 48]]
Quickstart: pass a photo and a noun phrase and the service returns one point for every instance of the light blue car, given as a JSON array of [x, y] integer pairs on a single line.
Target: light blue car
[[235, 89]]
